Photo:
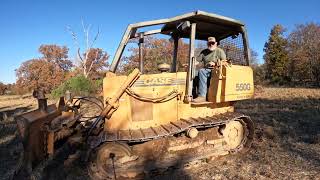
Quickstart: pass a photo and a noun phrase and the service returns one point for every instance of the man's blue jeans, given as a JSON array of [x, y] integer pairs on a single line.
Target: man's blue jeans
[[204, 75]]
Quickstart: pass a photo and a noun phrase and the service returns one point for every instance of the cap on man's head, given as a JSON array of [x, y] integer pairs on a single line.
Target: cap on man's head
[[211, 39]]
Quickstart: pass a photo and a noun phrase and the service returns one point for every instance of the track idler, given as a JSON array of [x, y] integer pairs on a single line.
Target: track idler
[[108, 161]]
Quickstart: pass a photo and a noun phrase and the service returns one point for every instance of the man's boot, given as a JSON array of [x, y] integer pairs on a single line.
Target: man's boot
[[199, 99]]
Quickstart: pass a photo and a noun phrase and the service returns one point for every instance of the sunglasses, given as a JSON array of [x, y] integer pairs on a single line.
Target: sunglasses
[[211, 43]]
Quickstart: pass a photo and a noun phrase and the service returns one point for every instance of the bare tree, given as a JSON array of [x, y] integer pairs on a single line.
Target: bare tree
[[304, 52], [90, 59]]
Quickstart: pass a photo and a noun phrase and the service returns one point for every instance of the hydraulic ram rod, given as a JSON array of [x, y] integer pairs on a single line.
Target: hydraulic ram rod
[[112, 103]]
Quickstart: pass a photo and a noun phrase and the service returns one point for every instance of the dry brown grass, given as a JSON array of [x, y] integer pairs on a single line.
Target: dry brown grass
[[11, 105], [286, 145]]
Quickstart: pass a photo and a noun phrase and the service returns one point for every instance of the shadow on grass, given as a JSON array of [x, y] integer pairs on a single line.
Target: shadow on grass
[[152, 170], [158, 170], [293, 123]]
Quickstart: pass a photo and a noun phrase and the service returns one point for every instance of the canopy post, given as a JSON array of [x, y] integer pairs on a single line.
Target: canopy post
[[141, 52], [189, 84], [246, 45], [175, 53]]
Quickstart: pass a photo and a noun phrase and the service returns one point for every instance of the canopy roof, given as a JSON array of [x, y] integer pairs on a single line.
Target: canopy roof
[[208, 24]]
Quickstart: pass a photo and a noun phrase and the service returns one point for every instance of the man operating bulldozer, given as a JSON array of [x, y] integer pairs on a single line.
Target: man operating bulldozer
[[209, 57]]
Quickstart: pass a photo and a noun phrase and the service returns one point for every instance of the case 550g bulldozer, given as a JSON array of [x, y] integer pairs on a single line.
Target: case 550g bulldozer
[[149, 121]]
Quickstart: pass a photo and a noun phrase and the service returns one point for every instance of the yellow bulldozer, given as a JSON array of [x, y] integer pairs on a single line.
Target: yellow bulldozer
[[149, 121]]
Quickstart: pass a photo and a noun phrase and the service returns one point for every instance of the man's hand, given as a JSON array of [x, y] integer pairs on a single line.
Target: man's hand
[[225, 62], [211, 64]]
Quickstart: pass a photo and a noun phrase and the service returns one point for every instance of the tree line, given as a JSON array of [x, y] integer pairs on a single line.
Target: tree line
[[55, 71], [288, 59], [54, 67], [293, 59]]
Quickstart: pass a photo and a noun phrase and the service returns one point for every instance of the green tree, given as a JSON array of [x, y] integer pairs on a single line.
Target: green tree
[[258, 69], [78, 85], [276, 55]]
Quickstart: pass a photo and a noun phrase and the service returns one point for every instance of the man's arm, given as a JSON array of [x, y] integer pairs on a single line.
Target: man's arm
[[222, 55]]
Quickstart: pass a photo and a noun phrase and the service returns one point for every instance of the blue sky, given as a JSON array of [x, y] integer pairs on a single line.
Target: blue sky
[[26, 24]]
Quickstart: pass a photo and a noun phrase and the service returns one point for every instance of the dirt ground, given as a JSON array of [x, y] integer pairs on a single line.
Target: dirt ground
[[286, 145]]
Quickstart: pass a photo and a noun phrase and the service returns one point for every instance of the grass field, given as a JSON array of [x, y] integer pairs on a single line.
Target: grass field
[[286, 145]]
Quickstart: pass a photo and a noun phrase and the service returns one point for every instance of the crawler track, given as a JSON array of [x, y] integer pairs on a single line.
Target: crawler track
[[143, 135], [149, 152]]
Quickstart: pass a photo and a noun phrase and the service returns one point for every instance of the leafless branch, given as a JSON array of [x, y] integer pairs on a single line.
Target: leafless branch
[[97, 52], [79, 55], [86, 31], [74, 36], [95, 38], [83, 57]]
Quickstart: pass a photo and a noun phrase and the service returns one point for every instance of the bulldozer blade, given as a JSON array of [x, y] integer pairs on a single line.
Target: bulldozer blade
[[32, 130]]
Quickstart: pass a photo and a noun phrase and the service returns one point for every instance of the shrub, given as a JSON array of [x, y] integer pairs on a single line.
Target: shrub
[[258, 74], [78, 85], [98, 85], [3, 88]]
